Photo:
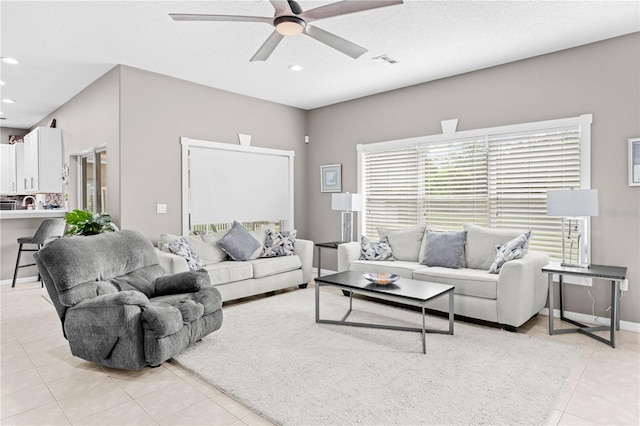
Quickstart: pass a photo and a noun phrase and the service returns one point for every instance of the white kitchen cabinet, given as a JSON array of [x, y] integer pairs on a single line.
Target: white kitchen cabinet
[[8, 184], [43, 160], [20, 181]]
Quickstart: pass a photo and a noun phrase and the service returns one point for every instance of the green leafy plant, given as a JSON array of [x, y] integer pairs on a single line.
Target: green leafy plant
[[84, 222]]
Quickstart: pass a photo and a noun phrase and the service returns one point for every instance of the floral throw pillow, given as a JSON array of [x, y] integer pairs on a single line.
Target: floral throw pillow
[[182, 248], [514, 249], [375, 250], [279, 243]]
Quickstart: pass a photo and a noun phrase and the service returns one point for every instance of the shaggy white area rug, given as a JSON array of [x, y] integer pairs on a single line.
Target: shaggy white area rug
[[272, 356]]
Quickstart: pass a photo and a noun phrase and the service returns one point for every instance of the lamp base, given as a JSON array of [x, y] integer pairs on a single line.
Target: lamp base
[[576, 265], [347, 221]]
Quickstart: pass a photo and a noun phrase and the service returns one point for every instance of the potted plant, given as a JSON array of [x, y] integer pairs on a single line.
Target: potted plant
[[84, 222]]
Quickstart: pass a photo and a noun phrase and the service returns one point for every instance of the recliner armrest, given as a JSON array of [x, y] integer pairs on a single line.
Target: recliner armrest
[[129, 297], [183, 282]]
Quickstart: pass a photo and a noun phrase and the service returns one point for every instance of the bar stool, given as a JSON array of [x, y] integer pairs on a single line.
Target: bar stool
[[49, 228]]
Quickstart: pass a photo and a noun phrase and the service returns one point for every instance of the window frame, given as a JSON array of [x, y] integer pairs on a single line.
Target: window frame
[[583, 122], [99, 181]]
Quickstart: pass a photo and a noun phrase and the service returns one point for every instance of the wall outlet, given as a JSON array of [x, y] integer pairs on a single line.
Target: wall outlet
[[161, 208], [624, 285]]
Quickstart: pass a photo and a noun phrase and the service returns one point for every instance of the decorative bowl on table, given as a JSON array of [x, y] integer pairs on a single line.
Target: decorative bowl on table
[[381, 279]]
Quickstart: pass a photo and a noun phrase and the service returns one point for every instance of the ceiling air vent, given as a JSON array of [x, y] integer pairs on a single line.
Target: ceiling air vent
[[385, 59]]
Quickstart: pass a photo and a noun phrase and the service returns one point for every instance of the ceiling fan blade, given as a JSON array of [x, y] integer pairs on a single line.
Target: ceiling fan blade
[[233, 18], [338, 43], [282, 7], [267, 47], [345, 7]]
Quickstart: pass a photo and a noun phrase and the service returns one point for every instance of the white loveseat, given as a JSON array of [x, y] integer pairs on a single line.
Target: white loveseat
[[238, 279], [509, 298]]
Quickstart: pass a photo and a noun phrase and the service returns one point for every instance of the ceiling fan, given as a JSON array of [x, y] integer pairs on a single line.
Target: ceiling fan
[[289, 20]]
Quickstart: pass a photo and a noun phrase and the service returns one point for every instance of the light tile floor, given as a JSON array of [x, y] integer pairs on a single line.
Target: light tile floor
[[41, 383]]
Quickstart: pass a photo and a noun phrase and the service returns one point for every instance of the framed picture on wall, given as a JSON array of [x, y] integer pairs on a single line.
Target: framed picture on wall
[[634, 162], [331, 178]]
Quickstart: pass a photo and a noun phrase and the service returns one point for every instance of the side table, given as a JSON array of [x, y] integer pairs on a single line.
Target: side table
[[331, 245], [613, 273]]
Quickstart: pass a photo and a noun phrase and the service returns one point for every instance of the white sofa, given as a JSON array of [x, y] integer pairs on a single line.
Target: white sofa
[[238, 279], [509, 298]]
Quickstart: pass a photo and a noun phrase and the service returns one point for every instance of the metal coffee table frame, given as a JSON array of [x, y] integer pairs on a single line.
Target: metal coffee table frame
[[381, 293]]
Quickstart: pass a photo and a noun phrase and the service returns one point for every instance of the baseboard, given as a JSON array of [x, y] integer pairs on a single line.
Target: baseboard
[[590, 319], [19, 280]]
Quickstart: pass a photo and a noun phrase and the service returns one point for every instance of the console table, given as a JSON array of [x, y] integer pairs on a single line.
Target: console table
[[613, 273]]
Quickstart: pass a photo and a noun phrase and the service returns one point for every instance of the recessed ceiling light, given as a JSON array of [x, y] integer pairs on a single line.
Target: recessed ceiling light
[[11, 61], [8, 101], [295, 67], [1, 83]]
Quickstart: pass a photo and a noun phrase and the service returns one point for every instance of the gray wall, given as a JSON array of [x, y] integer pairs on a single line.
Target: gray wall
[[89, 120], [157, 110], [5, 132], [601, 78]]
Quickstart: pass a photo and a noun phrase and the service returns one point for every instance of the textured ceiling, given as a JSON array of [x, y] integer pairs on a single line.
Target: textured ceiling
[[65, 46]]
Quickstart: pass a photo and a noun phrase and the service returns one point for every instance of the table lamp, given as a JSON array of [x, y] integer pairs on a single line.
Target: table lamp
[[574, 205], [348, 203]]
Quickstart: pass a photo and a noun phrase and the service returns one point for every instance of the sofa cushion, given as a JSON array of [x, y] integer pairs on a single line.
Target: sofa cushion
[[238, 243], [469, 282], [229, 271], [375, 250], [279, 243], [206, 245], [403, 268], [405, 243], [514, 249], [275, 265], [444, 248], [482, 243]]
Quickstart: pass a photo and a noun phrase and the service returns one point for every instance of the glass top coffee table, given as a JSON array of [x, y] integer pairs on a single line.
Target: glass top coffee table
[[405, 290]]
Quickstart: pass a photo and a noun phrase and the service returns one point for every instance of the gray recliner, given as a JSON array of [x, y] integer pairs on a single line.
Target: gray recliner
[[117, 306]]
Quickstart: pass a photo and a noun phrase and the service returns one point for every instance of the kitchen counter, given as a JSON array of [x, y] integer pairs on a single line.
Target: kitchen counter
[[29, 214]]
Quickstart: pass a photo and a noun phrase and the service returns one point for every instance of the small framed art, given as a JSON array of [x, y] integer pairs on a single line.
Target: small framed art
[[634, 162], [331, 178]]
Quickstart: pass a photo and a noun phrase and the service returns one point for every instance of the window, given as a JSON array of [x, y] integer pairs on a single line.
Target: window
[[92, 180], [494, 177]]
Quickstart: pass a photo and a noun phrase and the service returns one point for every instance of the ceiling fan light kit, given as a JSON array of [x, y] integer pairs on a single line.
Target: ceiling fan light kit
[[289, 25], [289, 20]]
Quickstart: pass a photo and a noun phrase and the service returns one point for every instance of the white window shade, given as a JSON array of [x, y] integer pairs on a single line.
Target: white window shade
[[228, 182]]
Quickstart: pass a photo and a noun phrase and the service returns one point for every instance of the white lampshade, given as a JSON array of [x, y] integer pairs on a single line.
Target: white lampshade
[[346, 202], [572, 202]]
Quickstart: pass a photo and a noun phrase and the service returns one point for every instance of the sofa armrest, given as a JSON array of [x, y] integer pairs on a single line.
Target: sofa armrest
[[304, 249], [522, 288], [347, 253], [172, 263]]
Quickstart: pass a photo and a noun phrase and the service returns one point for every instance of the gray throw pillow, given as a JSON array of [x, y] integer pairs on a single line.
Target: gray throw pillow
[[444, 248], [238, 243]]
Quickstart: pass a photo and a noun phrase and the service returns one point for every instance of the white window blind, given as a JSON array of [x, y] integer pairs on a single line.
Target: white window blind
[[522, 167], [493, 177], [392, 188]]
